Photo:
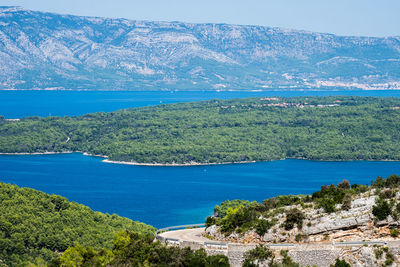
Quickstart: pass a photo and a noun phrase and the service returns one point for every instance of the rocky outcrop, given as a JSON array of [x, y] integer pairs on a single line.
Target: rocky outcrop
[[358, 216], [357, 223]]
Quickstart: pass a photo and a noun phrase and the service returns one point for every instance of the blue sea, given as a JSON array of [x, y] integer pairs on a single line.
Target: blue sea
[[164, 196], [17, 104]]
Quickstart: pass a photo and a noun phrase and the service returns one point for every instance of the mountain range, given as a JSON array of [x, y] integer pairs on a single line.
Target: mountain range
[[40, 50]]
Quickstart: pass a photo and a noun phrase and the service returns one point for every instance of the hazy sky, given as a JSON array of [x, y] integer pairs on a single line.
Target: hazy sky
[[344, 17]]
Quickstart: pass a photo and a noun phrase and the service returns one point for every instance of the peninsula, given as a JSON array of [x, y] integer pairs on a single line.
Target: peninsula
[[220, 131]]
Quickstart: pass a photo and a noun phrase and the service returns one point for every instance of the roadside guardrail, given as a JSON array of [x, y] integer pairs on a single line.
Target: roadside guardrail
[[216, 245], [349, 243]]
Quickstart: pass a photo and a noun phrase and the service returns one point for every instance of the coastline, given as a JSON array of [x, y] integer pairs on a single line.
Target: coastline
[[38, 153], [173, 164], [186, 164]]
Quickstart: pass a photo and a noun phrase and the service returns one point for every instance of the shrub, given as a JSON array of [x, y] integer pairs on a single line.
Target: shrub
[[294, 216], [389, 259], [286, 261], [378, 183], [210, 221], [346, 205], [381, 210], [327, 204], [394, 232], [391, 182], [398, 207], [340, 263], [344, 184], [300, 237], [238, 217], [359, 188], [259, 253], [262, 226], [220, 211], [386, 194], [378, 253]]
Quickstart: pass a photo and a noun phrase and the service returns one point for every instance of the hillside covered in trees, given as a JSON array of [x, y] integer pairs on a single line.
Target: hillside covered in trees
[[35, 226], [217, 131]]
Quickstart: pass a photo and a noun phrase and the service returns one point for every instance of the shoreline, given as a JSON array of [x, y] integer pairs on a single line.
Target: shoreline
[[174, 164], [187, 164], [37, 153]]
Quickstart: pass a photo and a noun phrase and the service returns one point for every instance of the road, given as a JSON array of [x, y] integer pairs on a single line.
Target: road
[[192, 235], [196, 235]]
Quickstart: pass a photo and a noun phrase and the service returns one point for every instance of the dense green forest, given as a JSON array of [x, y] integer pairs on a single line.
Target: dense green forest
[[131, 249], [35, 226], [252, 129]]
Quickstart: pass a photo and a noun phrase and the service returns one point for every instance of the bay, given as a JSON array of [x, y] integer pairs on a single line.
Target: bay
[[165, 196]]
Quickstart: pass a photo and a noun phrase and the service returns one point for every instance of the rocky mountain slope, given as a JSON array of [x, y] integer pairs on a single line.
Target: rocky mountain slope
[[44, 50], [335, 216]]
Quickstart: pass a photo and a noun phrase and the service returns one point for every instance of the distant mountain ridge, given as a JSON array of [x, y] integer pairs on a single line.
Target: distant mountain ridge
[[50, 51]]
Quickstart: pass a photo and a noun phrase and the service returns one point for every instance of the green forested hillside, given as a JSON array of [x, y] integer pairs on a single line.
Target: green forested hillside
[[252, 129], [36, 226], [131, 249]]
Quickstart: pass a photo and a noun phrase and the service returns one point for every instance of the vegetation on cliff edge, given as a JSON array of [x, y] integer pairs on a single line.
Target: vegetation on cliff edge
[[241, 216]]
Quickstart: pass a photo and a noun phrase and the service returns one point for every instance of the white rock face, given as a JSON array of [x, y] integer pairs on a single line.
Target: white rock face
[[128, 54]]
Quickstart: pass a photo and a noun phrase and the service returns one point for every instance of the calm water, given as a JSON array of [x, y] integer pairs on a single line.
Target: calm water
[[164, 196], [17, 104]]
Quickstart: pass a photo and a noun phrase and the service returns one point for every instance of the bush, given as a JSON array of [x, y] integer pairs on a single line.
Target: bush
[[327, 204], [344, 185], [262, 226], [346, 205], [300, 237], [389, 259], [286, 261], [239, 217], [398, 207], [386, 194], [340, 263], [381, 210], [390, 182], [378, 253], [394, 232], [294, 216], [221, 210], [210, 221], [259, 253]]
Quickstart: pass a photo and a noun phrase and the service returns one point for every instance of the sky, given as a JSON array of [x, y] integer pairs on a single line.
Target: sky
[[343, 17]]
